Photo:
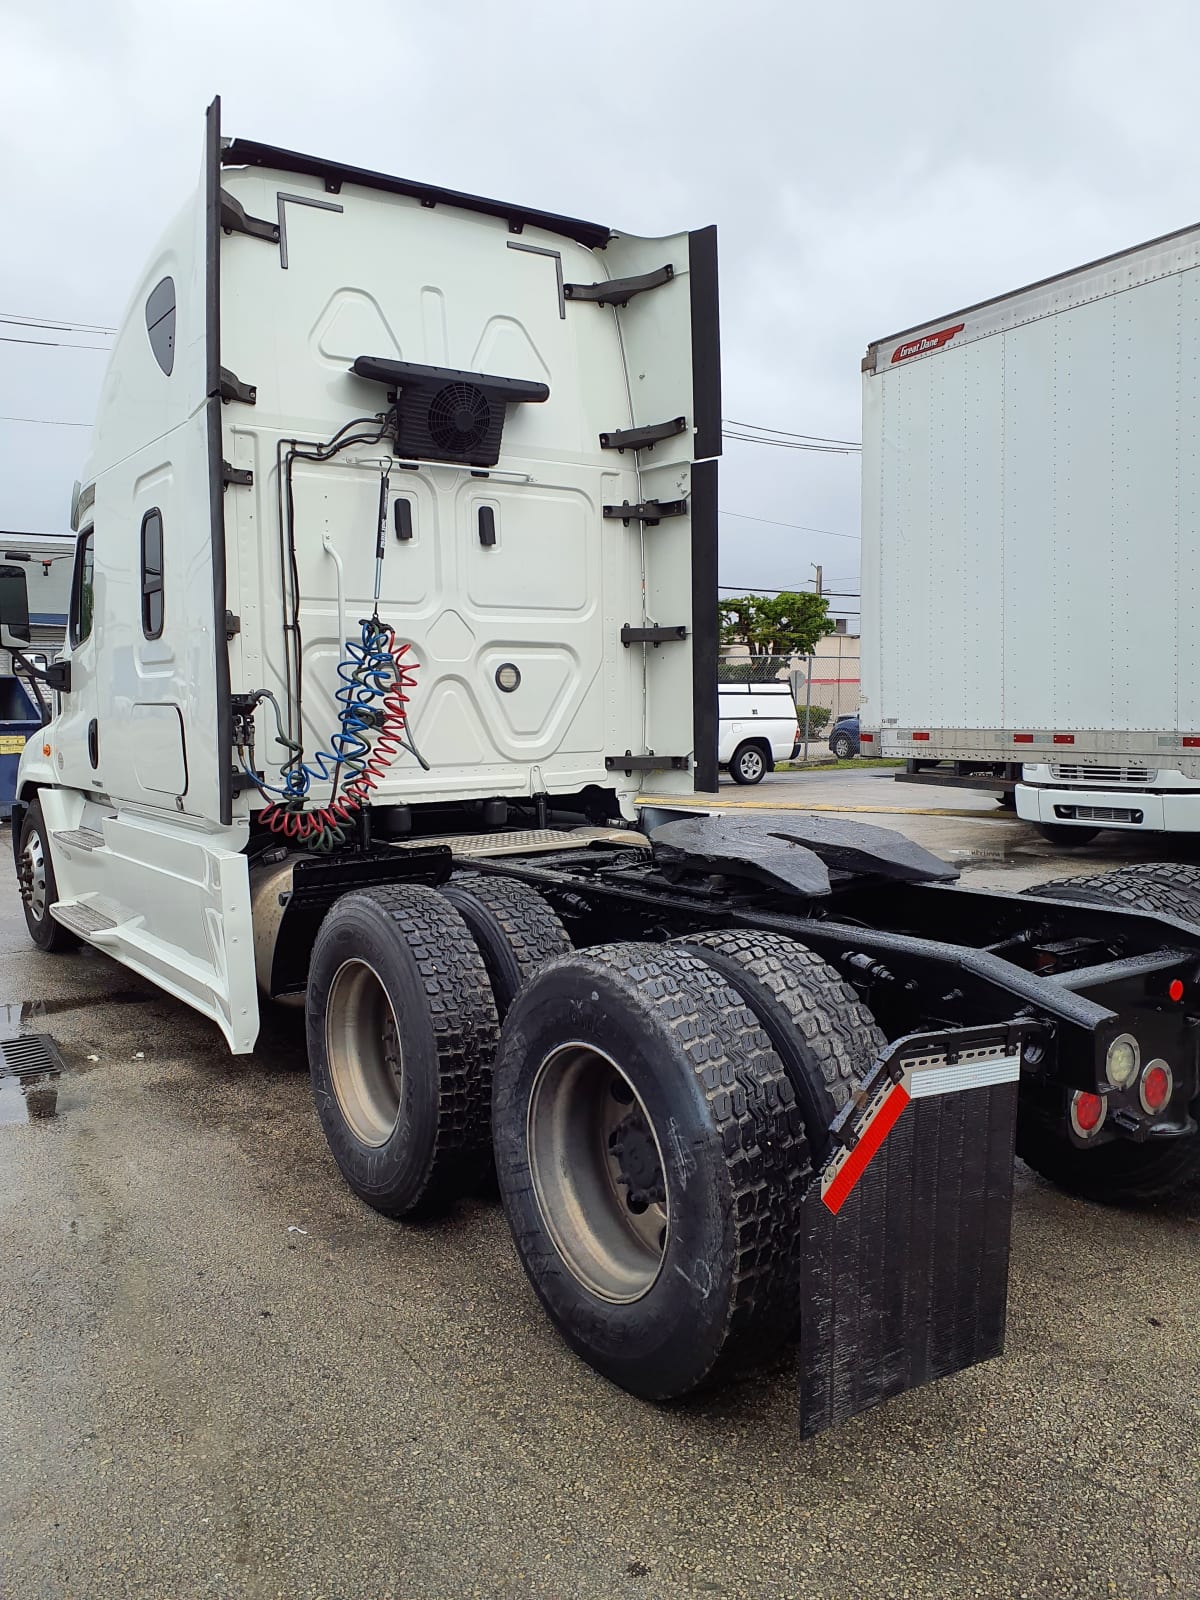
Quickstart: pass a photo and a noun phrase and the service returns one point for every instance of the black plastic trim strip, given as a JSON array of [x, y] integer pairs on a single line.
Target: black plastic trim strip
[[235, 219], [232, 388], [642, 438], [706, 343], [632, 763], [216, 484], [248, 153], [650, 512], [619, 291], [704, 623], [654, 636]]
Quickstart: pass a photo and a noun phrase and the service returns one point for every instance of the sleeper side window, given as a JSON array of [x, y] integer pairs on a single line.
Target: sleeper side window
[[160, 323], [152, 574], [83, 588]]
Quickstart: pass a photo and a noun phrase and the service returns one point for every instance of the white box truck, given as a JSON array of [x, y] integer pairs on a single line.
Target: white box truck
[[394, 580], [1031, 543]]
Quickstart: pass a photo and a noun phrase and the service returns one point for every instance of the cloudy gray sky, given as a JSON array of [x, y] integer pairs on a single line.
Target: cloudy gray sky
[[870, 165]]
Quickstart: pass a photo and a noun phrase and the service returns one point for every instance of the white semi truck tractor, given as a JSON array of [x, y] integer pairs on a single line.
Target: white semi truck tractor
[[394, 595]]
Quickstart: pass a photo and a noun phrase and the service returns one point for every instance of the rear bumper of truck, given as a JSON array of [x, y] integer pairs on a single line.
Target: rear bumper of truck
[[1137, 809]]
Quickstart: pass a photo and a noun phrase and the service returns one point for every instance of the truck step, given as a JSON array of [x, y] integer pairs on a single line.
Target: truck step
[[81, 918], [81, 838]]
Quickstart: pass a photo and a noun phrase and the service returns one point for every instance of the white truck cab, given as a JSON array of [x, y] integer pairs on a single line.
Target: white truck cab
[[1073, 800], [757, 728], [354, 539]]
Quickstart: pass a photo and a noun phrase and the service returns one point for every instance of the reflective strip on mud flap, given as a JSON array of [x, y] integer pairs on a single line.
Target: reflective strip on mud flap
[[923, 1078]]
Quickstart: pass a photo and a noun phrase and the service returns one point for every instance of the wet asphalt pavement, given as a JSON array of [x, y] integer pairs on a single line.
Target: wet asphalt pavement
[[221, 1376]]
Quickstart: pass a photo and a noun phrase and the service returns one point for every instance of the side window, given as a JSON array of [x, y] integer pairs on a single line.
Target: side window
[[83, 589], [160, 323], [152, 574]]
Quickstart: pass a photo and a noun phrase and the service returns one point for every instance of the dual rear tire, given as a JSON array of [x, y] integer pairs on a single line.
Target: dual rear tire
[[653, 1117]]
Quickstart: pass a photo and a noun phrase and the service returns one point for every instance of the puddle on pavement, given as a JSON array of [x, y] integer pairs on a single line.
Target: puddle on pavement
[[14, 1013], [27, 1099]]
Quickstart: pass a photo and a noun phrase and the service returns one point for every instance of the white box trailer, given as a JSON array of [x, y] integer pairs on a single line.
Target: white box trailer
[[736, 1074], [1031, 541]]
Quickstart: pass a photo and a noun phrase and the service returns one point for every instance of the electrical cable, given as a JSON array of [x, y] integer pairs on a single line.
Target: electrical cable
[[800, 527], [55, 344], [47, 422], [788, 444], [816, 438], [54, 324]]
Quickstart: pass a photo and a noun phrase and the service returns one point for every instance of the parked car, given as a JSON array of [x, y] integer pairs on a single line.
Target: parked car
[[843, 741], [757, 728]]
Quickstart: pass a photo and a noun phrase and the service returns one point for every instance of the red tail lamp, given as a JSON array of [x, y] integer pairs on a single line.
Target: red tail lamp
[[1175, 990], [1087, 1113], [1156, 1086]]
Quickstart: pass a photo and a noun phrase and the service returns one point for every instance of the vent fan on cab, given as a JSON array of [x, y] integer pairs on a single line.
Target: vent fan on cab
[[446, 415]]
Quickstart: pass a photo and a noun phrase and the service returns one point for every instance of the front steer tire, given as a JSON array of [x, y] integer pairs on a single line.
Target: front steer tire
[[652, 1161], [402, 1031], [36, 881]]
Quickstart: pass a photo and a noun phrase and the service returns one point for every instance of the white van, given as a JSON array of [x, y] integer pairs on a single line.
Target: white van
[[757, 728]]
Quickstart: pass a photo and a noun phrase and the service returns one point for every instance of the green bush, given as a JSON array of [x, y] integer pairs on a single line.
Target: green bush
[[818, 718]]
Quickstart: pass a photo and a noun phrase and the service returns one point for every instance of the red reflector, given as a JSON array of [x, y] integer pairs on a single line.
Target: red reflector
[[1087, 1112], [866, 738], [1022, 738], [1191, 743], [1175, 989], [1064, 738], [1156, 1086], [920, 736]]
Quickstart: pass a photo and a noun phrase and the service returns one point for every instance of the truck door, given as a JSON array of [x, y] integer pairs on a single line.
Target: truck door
[[77, 738]]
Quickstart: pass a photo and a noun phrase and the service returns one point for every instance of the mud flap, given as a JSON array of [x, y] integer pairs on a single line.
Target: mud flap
[[907, 1224]]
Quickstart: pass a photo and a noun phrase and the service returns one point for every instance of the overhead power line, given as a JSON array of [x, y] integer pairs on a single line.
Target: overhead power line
[[800, 527], [56, 344], [783, 433], [793, 444], [54, 324], [47, 422]]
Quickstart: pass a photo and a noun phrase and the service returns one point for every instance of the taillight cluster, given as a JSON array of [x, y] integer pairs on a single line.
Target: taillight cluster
[[1156, 1084]]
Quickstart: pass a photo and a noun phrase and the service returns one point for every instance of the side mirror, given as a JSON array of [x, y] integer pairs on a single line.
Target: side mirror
[[14, 603]]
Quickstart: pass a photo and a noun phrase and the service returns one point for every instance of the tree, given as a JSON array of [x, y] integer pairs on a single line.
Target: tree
[[787, 624]]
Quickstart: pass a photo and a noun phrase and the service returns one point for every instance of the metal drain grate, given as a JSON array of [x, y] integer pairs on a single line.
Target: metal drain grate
[[30, 1068], [33, 1055]]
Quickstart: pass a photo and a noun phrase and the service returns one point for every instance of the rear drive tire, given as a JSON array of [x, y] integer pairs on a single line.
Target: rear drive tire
[[748, 765], [843, 749], [39, 889], [1138, 887], [402, 1031], [652, 1162], [514, 929], [819, 1028], [1112, 1174], [1066, 834], [1119, 1171]]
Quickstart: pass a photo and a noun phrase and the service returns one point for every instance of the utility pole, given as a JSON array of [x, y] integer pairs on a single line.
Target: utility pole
[[819, 572]]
